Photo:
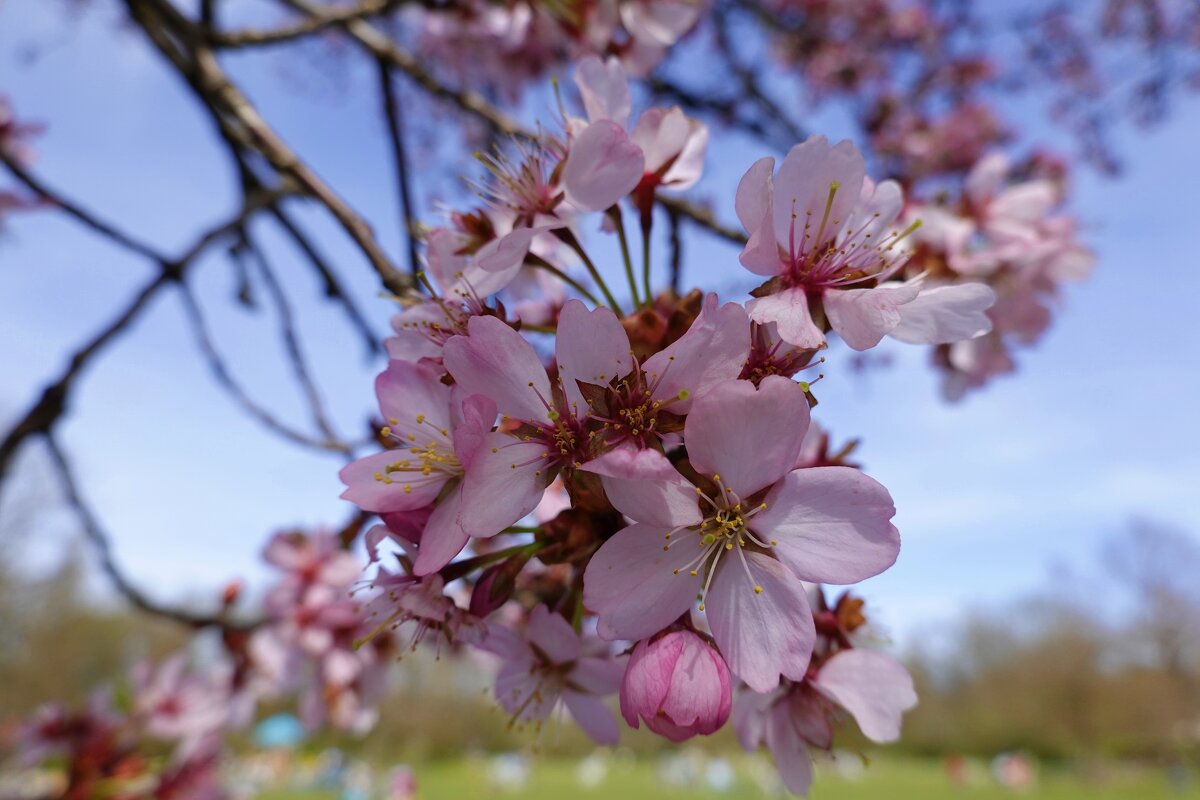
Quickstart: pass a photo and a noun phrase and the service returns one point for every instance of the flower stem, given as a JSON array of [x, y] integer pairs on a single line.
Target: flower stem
[[647, 223], [614, 213], [568, 238], [459, 569], [541, 263]]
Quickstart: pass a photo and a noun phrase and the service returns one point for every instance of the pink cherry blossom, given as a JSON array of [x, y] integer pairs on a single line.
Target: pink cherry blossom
[[744, 541], [547, 664], [825, 234], [873, 687], [678, 684], [438, 432]]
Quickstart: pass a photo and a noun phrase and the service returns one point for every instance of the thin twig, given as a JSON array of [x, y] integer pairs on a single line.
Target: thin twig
[[291, 341], [224, 377], [100, 539], [320, 20], [332, 284], [676, 245], [53, 401], [77, 211], [391, 112]]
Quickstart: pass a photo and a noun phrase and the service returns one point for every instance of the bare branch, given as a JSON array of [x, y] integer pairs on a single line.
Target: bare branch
[[333, 286], [291, 340], [53, 401], [177, 38], [391, 112], [320, 20], [96, 534], [676, 243], [75, 210], [224, 378]]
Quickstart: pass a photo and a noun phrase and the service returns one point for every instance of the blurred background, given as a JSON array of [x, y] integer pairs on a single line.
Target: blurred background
[[1047, 598]]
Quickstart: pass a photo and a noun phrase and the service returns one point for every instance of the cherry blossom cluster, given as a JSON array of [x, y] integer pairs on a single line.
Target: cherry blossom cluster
[[159, 737], [1007, 230], [503, 46], [632, 489]]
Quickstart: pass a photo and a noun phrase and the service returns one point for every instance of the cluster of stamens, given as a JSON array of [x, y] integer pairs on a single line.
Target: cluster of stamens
[[416, 461], [855, 256], [633, 411], [723, 530], [524, 185]]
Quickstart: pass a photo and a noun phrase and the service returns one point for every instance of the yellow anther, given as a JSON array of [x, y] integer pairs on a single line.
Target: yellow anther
[[758, 590], [393, 421], [684, 394], [385, 431], [408, 488], [693, 573], [420, 418], [495, 450]]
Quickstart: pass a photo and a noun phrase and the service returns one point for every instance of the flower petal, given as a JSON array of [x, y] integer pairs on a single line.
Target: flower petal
[[443, 537], [761, 634], [604, 89], [372, 487], [630, 583], [713, 350], [496, 361], [946, 314], [806, 179], [505, 482], [553, 635], [790, 313], [593, 716], [872, 686], [788, 751], [408, 391], [832, 525], [591, 347], [750, 436], [644, 486], [864, 316], [602, 167]]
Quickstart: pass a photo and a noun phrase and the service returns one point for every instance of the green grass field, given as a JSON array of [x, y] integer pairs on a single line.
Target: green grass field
[[883, 780]]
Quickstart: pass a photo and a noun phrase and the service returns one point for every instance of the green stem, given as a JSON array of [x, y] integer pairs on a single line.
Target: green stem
[[458, 569], [618, 219], [646, 224], [568, 238], [541, 263]]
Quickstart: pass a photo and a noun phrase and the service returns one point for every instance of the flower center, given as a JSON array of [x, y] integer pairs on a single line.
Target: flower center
[[830, 257], [724, 529], [416, 461]]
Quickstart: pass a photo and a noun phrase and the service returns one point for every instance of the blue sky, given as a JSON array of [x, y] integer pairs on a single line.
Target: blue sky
[[1098, 427]]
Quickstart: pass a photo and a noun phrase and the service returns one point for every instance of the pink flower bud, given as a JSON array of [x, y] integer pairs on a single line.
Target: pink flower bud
[[679, 685]]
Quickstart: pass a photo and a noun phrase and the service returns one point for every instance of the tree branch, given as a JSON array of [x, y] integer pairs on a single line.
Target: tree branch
[[320, 19], [391, 112], [224, 378], [96, 534], [177, 38]]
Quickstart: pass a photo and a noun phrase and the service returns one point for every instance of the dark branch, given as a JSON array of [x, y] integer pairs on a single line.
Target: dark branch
[[180, 42], [54, 399], [291, 341], [391, 112], [224, 378], [75, 210], [96, 534], [321, 19]]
